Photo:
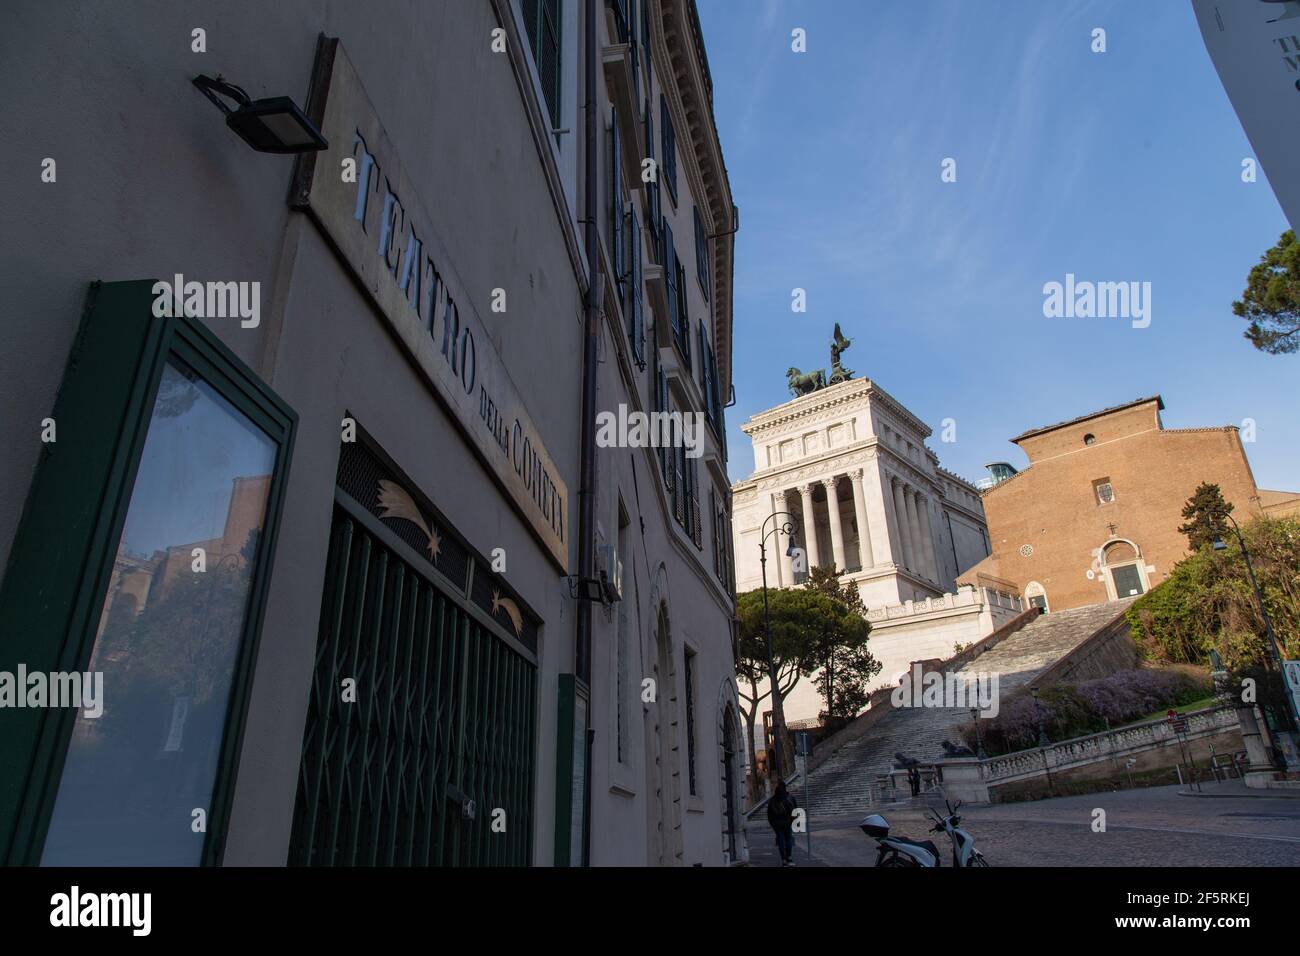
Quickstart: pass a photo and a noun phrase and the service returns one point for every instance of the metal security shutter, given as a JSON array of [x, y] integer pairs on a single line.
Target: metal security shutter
[[443, 715]]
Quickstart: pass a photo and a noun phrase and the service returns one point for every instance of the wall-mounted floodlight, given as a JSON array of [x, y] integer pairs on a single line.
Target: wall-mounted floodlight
[[273, 125]]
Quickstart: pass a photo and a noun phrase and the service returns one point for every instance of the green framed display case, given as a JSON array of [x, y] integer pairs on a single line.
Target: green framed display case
[[71, 536]]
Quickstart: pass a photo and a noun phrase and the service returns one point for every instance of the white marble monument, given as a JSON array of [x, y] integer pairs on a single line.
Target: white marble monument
[[850, 463]]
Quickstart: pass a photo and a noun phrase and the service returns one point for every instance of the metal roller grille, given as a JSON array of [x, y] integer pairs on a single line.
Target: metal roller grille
[[441, 722]]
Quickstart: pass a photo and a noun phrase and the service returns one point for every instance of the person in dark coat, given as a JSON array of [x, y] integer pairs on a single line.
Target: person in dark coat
[[914, 778], [780, 815]]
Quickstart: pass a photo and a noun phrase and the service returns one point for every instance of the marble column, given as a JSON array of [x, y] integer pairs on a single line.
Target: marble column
[[927, 536], [777, 572], [865, 558], [837, 528], [809, 527], [904, 530], [783, 503], [880, 516], [914, 532]]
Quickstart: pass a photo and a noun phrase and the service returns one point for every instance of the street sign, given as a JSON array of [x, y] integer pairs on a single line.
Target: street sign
[[803, 743]]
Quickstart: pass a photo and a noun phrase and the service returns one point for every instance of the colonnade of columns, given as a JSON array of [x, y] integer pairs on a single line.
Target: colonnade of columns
[[892, 516]]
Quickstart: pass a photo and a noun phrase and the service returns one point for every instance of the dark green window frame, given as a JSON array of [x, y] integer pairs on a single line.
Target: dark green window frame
[[668, 146], [702, 270], [542, 19], [62, 558]]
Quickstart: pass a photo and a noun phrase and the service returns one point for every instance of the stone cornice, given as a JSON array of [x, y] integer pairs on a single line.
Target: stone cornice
[[836, 398], [679, 45], [841, 460], [968, 485]]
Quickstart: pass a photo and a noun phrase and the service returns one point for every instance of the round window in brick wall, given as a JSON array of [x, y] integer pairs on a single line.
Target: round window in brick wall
[[1026, 550]]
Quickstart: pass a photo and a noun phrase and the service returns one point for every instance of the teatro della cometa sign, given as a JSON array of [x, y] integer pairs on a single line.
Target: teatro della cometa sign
[[358, 192]]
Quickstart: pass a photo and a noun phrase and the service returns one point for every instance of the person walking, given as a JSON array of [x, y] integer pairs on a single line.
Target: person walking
[[780, 815]]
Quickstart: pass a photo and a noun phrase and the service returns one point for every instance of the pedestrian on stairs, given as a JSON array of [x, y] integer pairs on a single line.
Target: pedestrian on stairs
[[780, 815], [914, 778]]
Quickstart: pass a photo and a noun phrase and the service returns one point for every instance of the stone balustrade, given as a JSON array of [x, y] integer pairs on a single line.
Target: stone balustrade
[[970, 778], [966, 596]]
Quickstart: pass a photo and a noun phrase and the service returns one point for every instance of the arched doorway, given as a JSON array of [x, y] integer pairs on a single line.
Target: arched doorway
[[663, 778], [1036, 596], [1124, 569], [732, 773]]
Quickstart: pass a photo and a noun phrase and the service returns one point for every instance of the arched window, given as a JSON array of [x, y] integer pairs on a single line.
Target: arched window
[[1036, 595]]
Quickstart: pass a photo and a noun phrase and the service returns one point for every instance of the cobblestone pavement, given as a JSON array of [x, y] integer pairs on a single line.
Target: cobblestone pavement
[[1155, 826], [762, 848]]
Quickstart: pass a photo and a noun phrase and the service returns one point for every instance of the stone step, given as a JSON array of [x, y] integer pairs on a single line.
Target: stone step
[[847, 780]]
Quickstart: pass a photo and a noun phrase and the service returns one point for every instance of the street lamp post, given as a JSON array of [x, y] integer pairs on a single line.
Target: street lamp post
[[786, 527], [1274, 649]]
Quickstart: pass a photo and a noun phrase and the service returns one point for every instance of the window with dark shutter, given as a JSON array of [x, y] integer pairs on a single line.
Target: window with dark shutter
[[542, 23], [654, 213], [634, 48], [702, 270], [661, 405], [670, 274], [621, 20], [704, 368], [693, 503], [681, 321], [616, 240], [715, 528], [679, 484], [633, 306], [689, 681], [668, 146]]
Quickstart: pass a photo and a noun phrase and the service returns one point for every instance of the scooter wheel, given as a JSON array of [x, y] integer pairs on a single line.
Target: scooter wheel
[[896, 860], [978, 860]]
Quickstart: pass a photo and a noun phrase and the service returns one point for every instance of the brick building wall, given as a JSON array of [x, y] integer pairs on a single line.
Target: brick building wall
[[1053, 527]]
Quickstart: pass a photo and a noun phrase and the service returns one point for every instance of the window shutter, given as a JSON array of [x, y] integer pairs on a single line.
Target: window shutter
[[635, 47], [679, 484], [697, 534], [542, 23], [621, 18], [704, 367], [635, 308], [670, 275], [661, 405], [714, 529], [668, 146], [616, 198], [702, 253], [682, 323]]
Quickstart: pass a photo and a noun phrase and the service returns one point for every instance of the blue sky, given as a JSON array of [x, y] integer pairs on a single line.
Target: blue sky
[[1115, 166]]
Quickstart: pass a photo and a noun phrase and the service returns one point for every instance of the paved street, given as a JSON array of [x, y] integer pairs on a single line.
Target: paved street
[[1149, 827]]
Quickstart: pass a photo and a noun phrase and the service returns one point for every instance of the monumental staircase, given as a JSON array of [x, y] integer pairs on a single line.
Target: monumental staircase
[[847, 781]]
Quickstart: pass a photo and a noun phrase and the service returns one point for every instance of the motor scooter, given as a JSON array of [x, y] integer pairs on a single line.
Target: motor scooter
[[900, 851]]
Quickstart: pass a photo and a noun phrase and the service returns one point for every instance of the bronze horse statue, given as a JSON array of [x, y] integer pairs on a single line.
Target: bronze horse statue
[[802, 384]]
